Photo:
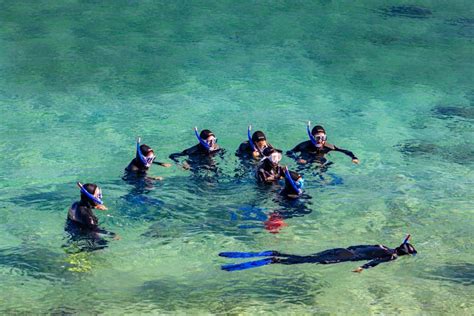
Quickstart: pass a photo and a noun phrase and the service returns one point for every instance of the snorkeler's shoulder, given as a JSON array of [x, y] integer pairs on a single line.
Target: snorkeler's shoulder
[[330, 146]]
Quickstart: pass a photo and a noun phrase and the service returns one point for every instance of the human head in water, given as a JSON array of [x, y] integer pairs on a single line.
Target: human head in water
[[145, 155], [207, 139], [90, 194], [272, 155], [317, 136], [406, 249], [294, 183], [260, 140]]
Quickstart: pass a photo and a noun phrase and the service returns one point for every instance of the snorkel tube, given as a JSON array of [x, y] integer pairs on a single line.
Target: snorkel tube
[[139, 153], [201, 141], [249, 129], [407, 238], [90, 196], [293, 184], [311, 137]]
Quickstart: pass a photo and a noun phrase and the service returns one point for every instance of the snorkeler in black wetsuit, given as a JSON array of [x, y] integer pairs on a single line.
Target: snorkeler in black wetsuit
[[143, 160], [316, 148], [200, 155], [82, 224], [268, 170], [375, 253], [294, 184], [254, 146]]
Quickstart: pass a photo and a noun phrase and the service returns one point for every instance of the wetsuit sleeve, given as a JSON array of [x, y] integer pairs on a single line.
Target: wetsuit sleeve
[[243, 149], [296, 149], [347, 152], [175, 156], [375, 262], [159, 163]]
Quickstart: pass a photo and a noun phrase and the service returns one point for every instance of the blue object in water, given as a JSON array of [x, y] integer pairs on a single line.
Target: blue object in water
[[206, 145], [311, 137], [146, 161], [90, 196], [298, 188], [236, 254], [247, 265], [250, 138]]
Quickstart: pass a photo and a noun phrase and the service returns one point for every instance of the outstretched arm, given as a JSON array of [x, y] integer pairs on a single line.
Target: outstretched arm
[[175, 156], [374, 263], [163, 164], [293, 153], [348, 153]]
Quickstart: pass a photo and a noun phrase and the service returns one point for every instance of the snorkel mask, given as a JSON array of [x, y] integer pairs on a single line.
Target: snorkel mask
[[298, 185], [207, 144], [271, 155], [315, 139], [96, 200], [146, 161], [406, 247]]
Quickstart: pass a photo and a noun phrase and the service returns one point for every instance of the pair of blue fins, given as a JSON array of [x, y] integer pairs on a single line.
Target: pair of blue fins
[[250, 264]]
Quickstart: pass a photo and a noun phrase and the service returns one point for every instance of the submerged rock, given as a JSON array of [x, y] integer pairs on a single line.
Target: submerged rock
[[407, 11], [450, 111], [416, 148], [461, 273]]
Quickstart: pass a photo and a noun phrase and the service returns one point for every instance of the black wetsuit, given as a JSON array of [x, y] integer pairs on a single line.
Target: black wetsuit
[[82, 224], [245, 150], [375, 253], [199, 157], [136, 168], [267, 172], [311, 153]]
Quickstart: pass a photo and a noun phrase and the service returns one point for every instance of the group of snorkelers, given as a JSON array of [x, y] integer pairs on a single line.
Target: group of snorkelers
[[81, 219]]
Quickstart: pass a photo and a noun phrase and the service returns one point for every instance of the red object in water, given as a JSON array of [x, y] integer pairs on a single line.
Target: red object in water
[[274, 223]]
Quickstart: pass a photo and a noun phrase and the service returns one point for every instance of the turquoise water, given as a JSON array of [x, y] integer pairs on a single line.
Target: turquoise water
[[390, 80]]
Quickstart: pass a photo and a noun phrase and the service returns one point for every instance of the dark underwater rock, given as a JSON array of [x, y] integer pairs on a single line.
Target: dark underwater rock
[[416, 148], [461, 273], [450, 111], [407, 11]]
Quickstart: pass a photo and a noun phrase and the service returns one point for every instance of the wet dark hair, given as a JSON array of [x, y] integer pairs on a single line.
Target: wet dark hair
[[258, 136], [90, 187], [145, 149], [205, 133], [406, 249], [317, 129], [268, 151]]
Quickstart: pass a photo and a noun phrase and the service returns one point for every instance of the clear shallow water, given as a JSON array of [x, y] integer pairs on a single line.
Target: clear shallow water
[[393, 83]]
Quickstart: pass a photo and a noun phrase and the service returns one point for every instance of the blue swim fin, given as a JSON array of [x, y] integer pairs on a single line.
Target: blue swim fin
[[248, 254], [247, 265]]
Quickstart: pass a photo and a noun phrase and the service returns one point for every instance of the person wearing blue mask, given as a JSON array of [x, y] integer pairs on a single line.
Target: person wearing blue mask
[[145, 157], [254, 146], [200, 154], [374, 254], [294, 184], [316, 148], [82, 223]]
